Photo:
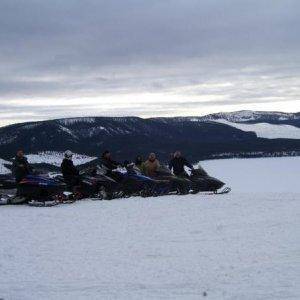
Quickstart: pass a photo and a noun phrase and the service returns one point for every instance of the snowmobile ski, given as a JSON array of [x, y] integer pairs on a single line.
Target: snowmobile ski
[[4, 200], [225, 190], [67, 201], [42, 203]]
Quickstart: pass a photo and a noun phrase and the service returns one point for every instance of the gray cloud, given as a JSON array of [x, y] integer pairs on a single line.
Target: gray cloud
[[54, 50]]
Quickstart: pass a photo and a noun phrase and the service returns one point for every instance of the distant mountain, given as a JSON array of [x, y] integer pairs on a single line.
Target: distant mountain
[[198, 137], [248, 116]]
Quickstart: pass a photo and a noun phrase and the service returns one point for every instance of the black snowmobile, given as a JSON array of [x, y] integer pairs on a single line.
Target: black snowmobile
[[129, 182], [92, 183], [86, 187], [99, 185], [114, 184], [180, 185], [135, 183], [202, 182]]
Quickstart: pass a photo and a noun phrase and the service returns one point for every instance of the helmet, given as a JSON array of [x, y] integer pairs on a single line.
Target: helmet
[[68, 154]]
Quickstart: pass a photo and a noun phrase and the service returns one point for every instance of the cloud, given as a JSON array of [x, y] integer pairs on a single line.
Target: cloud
[[63, 51]]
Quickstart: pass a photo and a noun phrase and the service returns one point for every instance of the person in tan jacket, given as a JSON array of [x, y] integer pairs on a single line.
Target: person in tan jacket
[[151, 165]]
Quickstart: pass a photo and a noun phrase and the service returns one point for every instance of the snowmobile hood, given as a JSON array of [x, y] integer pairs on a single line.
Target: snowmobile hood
[[40, 181], [138, 177]]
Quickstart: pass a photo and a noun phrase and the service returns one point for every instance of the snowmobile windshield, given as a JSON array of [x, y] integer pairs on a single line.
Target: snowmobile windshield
[[137, 170], [199, 172], [162, 170]]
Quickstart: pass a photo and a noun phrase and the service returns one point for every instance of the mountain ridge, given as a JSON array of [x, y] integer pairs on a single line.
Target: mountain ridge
[[199, 137], [234, 116]]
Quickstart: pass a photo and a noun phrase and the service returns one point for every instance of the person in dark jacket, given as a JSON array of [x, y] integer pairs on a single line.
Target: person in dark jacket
[[177, 164], [109, 165], [108, 162], [69, 171], [140, 164], [21, 167], [139, 161]]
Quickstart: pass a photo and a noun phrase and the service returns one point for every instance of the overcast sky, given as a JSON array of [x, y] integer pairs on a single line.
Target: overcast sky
[[147, 57]]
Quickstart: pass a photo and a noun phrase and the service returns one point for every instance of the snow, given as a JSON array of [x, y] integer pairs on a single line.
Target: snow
[[262, 175], [68, 131], [96, 130], [31, 125], [72, 121], [266, 130], [55, 158], [3, 169], [243, 245], [249, 115]]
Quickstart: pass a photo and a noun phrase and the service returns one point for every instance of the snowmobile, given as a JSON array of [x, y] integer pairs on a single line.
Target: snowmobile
[[37, 190], [134, 183], [129, 182], [202, 182], [101, 186], [7, 182], [92, 183], [40, 190], [86, 187], [114, 184], [180, 185], [40, 187]]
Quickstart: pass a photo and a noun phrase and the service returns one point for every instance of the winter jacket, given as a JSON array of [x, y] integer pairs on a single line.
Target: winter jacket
[[109, 163], [21, 168], [177, 164], [150, 167], [69, 171], [141, 167]]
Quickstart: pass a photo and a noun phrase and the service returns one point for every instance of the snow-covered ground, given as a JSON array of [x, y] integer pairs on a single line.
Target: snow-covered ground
[[55, 158], [264, 175], [3, 169], [243, 245], [266, 130]]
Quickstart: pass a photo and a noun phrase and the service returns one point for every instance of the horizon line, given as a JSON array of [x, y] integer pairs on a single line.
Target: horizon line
[[147, 118]]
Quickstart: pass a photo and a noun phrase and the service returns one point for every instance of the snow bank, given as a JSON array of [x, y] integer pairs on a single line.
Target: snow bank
[[243, 245], [266, 130], [55, 158]]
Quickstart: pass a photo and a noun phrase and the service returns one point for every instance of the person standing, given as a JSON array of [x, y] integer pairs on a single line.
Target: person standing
[[177, 164], [21, 168], [110, 166], [69, 171]]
